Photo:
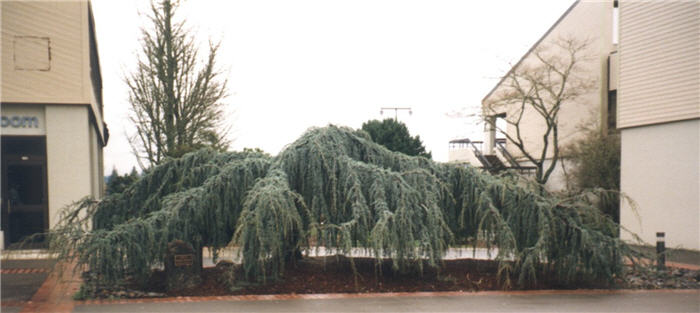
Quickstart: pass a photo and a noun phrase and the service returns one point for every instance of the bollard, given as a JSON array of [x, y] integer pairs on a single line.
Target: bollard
[[660, 251]]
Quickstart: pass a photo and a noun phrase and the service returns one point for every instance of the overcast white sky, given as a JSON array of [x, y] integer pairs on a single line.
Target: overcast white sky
[[294, 64]]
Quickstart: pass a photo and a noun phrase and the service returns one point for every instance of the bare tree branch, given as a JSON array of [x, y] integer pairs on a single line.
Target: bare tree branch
[[543, 85]]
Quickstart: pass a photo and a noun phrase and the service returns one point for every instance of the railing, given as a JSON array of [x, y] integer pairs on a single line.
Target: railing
[[476, 147], [480, 156], [492, 163], [501, 148]]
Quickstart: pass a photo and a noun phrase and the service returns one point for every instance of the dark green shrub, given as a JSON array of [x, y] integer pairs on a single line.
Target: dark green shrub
[[596, 159]]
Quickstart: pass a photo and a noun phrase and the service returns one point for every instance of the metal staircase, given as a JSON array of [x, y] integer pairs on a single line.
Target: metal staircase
[[501, 148], [489, 162], [492, 162]]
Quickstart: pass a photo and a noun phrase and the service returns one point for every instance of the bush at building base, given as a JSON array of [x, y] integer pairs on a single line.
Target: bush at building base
[[335, 188]]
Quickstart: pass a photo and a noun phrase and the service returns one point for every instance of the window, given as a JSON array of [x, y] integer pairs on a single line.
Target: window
[[612, 111]]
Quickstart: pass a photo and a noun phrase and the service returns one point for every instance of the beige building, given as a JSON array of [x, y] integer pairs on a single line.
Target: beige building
[[585, 21], [659, 119], [647, 86], [52, 125]]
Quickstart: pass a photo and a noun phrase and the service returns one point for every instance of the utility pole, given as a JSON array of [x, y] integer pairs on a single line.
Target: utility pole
[[396, 111]]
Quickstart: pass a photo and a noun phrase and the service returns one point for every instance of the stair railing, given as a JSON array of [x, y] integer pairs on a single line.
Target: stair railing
[[501, 147], [478, 154]]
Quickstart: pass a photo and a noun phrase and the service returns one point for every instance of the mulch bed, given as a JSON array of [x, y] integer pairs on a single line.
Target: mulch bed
[[334, 275]]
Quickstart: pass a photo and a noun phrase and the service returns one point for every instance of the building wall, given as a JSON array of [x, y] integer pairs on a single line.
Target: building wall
[[50, 69], [585, 20], [661, 174], [96, 173], [74, 154], [24, 110], [46, 54], [659, 63], [68, 156], [462, 155], [659, 117], [42, 52]]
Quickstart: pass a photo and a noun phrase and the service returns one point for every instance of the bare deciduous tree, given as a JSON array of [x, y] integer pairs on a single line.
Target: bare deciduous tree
[[175, 97], [551, 78]]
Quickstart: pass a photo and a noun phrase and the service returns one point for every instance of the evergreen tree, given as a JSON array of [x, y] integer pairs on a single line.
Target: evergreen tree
[[596, 157], [175, 97], [118, 183], [395, 136], [337, 189]]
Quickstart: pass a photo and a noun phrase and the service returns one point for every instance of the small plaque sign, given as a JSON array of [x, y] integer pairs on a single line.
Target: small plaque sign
[[182, 260], [183, 266]]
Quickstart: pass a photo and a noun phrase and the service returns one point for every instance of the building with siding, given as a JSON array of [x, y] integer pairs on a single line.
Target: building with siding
[[52, 130], [645, 59], [658, 116]]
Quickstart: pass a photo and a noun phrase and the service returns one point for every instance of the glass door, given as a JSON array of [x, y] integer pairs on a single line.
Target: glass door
[[24, 191]]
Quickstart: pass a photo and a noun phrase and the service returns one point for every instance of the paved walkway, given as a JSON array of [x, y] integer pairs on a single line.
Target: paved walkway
[[28, 286], [536, 301], [21, 279]]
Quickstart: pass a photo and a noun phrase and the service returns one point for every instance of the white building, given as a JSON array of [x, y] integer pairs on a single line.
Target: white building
[[659, 119], [52, 124]]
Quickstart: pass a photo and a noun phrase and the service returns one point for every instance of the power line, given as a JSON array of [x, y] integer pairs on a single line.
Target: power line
[[396, 111]]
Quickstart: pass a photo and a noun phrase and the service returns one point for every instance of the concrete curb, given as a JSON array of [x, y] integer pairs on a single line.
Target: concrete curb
[[26, 254], [385, 295]]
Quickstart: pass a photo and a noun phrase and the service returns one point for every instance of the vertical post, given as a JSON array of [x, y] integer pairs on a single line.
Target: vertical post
[[490, 135], [660, 251]]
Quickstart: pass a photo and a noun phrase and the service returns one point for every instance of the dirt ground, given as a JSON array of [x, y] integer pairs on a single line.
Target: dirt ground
[[334, 275]]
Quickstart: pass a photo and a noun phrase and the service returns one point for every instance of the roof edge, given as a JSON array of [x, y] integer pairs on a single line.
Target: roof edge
[[531, 49]]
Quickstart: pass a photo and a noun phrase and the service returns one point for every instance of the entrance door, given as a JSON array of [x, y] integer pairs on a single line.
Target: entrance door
[[24, 190]]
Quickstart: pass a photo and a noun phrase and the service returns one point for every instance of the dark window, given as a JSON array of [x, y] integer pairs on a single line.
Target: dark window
[[35, 146], [25, 184], [612, 111]]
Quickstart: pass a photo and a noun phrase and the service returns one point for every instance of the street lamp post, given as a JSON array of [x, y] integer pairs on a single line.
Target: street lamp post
[[396, 111]]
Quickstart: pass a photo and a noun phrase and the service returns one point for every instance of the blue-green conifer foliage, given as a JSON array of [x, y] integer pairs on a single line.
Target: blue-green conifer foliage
[[336, 188]]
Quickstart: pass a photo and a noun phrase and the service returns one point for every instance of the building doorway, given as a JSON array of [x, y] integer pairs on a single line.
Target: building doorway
[[24, 191]]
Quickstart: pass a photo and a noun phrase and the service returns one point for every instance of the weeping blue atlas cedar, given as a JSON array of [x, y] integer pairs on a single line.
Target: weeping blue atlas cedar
[[335, 188]]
